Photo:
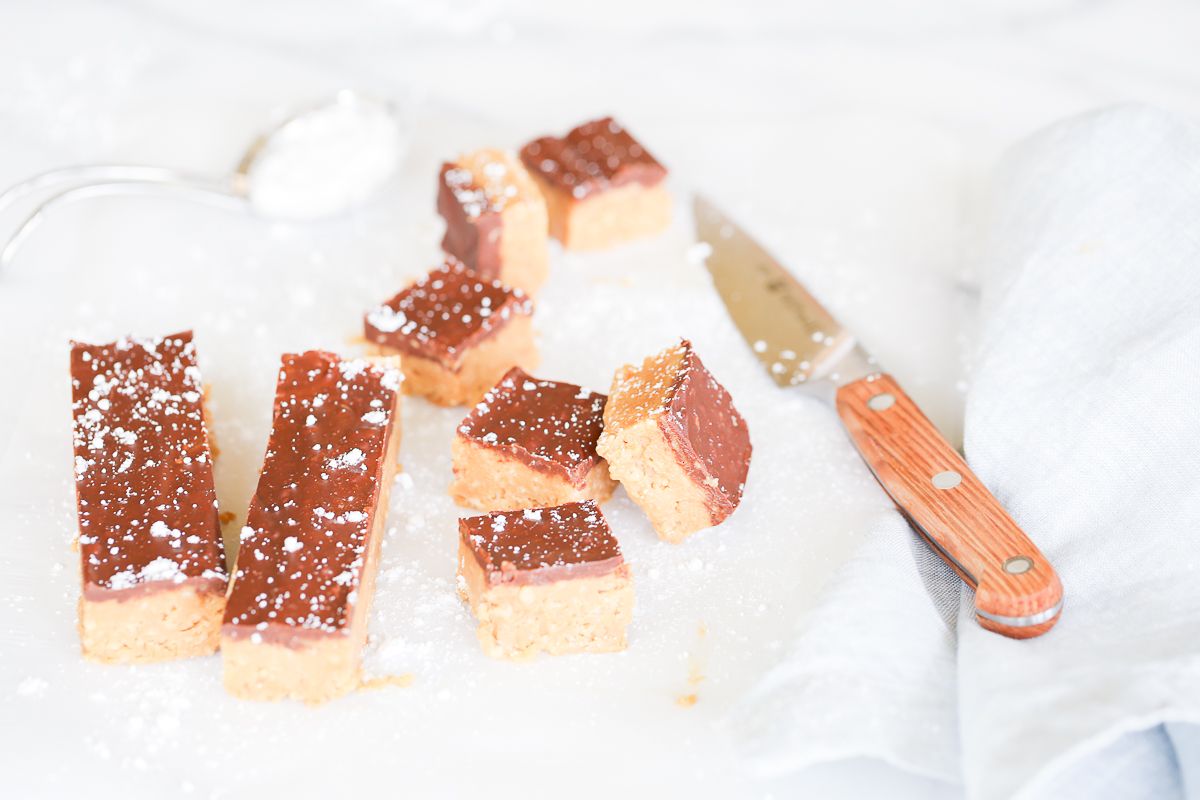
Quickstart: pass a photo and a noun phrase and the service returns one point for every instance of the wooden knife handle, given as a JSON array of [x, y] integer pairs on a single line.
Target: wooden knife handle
[[1017, 592]]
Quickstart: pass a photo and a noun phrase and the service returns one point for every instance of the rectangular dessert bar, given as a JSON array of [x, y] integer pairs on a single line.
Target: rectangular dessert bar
[[530, 443], [495, 218], [296, 620], [457, 332], [152, 558], [601, 186], [674, 440], [545, 580]]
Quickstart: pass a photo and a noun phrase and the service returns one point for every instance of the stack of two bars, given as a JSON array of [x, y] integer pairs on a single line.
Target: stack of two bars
[[153, 562]]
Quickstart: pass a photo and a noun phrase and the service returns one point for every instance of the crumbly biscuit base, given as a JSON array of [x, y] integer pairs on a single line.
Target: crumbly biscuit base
[[486, 479], [574, 615], [318, 667], [640, 457], [160, 624], [606, 218], [480, 369]]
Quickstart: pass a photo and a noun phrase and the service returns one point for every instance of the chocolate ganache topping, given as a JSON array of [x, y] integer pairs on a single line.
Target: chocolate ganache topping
[[443, 315], [593, 157], [143, 469], [304, 544], [542, 545], [546, 425]]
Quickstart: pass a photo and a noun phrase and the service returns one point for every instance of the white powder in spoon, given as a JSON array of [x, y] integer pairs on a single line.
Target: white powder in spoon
[[326, 161]]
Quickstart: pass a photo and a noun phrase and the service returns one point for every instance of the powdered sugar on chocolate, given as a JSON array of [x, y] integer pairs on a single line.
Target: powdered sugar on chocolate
[[542, 545], [595, 156], [488, 191], [306, 535], [143, 467], [547, 425], [445, 314]]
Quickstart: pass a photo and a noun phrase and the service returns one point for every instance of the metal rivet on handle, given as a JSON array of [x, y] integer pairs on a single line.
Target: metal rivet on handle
[[947, 480], [1018, 565], [881, 402]]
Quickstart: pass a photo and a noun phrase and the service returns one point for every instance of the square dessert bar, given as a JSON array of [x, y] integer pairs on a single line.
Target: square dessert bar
[[675, 442], [296, 619], [548, 580], [153, 562], [530, 443], [458, 333], [495, 218], [601, 186]]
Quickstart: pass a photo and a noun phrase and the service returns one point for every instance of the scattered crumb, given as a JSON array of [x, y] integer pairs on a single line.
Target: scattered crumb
[[383, 681], [686, 700]]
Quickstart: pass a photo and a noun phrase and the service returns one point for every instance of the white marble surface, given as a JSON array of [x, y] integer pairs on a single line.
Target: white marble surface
[[853, 141]]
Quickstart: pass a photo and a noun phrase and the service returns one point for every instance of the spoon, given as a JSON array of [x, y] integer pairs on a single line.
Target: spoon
[[317, 163]]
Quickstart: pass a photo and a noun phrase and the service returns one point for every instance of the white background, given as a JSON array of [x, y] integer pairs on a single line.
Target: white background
[[853, 141]]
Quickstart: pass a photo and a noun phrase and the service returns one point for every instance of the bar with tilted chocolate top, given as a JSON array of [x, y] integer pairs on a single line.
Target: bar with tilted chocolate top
[[296, 620], [601, 186], [458, 333], [530, 443], [545, 580], [152, 558], [495, 218], [674, 440]]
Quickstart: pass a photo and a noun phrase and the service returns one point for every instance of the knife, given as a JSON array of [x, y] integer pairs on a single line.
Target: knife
[[1017, 591]]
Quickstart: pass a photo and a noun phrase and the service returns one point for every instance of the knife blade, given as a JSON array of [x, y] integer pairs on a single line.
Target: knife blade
[[1017, 591]]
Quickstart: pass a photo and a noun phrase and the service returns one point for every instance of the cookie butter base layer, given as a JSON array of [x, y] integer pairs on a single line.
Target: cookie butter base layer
[[524, 256], [487, 479], [159, 624], [608, 217], [573, 615], [481, 367], [640, 457], [314, 666]]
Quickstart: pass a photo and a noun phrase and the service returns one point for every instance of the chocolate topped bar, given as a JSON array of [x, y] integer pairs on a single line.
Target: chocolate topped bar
[[143, 469], [473, 194], [445, 314], [473, 221], [697, 419], [303, 549], [542, 545], [592, 157], [547, 425], [496, 221]]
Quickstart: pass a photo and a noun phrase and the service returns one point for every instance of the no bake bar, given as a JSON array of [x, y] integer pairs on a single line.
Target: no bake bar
[[674, 440], [458, 333], [296, 620], [601, 186], [546, 580], [495, 216], [530, 443], [152, 558]]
